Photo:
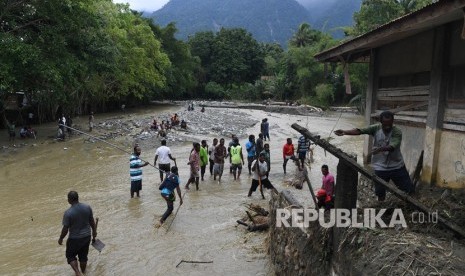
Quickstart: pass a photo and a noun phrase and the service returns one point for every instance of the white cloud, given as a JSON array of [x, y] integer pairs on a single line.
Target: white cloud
[[144, 5]]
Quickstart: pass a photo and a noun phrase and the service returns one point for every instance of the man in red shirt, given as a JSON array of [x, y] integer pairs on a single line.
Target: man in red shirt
[[288, 153]]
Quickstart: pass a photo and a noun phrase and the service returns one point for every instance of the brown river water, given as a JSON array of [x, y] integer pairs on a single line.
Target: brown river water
[[36, 177]]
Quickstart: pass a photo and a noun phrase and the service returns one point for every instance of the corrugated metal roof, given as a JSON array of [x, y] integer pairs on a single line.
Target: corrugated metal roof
[[431, 16]]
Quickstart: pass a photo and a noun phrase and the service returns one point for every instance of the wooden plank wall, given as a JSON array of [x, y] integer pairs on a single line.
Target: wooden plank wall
[[410, 104], [401, 96]]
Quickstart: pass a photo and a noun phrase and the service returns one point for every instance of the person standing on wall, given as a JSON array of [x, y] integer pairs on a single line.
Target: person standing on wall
[[387, 160], [327, 182]]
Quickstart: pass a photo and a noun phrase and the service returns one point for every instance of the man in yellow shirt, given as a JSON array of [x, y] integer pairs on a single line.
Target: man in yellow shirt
[[237, 158]]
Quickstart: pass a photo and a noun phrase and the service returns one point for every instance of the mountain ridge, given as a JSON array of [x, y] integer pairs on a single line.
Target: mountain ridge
[[267, 20]]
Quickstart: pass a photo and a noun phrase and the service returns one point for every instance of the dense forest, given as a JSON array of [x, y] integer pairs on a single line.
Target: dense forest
[[81, 55]]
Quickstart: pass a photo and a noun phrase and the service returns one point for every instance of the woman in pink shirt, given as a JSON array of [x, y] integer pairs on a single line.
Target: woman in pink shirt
[[194, 162]]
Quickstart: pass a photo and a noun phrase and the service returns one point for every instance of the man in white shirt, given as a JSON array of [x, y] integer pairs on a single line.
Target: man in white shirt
[[164, 154], [260, 169]]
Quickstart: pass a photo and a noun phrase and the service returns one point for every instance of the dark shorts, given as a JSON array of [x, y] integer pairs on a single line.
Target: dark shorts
[[165, 167], [265, 183], [302, 155], [136, 186], [12, 134], [250, 159], [79, 247], [400, 177], [236, 167]]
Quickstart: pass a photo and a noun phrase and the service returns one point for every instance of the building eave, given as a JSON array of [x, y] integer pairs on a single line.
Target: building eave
[[427, 18]]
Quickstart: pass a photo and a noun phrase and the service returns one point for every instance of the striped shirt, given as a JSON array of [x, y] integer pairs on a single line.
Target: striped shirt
[[135, 168], [303, 145]]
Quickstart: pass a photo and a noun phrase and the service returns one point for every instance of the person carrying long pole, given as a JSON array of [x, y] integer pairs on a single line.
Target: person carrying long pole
[[167, 188], [125, 151], [259, 177], [110, 144]]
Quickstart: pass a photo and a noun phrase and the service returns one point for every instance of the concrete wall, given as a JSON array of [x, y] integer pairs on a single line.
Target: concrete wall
[[305, 251], [451, 172], [297, 251], [412, 145]]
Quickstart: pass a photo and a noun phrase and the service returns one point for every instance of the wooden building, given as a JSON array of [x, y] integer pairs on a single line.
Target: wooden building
[[417, 70]]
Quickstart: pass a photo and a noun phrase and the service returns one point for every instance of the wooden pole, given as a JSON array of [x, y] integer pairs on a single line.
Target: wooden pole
[[311, 190], [390, 187], [171, 223]]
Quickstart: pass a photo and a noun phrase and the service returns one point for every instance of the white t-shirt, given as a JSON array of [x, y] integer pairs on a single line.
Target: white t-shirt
[[163, 153], [263, 167]]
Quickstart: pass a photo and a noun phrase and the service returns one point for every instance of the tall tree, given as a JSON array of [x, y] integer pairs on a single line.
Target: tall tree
[[374, 13], [304, 36], [236, 57], [180, 78], [69, 52]]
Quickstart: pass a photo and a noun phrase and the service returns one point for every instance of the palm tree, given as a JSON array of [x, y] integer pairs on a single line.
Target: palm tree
[[303, 37]]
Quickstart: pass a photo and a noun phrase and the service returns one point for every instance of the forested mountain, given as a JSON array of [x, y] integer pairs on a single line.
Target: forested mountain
[[330, 15], [267, 20]]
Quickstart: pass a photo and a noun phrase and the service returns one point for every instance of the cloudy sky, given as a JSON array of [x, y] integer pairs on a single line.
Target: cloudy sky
[[144, 5]]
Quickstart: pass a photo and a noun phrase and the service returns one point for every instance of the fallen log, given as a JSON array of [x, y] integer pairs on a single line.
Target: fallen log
[[250, 217], [258, 227], [257, 209], [254, 227]]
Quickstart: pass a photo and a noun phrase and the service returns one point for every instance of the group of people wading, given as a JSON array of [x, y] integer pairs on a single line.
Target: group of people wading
[[387, 162]]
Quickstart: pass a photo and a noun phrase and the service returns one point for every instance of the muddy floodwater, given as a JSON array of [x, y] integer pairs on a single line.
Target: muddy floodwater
[[36, 175]]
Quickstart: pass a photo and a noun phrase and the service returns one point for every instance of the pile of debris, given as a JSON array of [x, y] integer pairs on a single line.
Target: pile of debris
[[257, 218]]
